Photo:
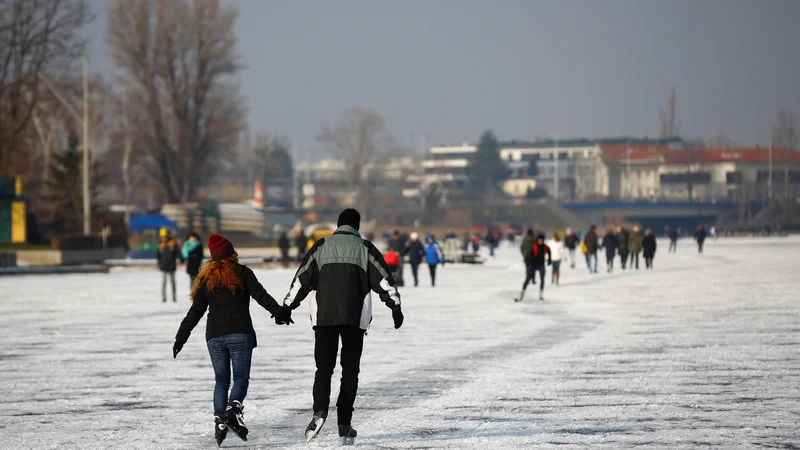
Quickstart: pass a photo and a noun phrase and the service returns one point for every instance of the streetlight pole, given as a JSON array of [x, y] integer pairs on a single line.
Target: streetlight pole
[[628, 170], [557, 171], [769, 180], [87, 202]]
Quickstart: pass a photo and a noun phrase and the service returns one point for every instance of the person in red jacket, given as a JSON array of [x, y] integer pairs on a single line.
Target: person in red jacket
[[534, 262]]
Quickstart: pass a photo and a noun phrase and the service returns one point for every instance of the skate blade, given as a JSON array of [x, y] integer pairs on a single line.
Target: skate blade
[[348, 441], [311, 434], [242, 437]]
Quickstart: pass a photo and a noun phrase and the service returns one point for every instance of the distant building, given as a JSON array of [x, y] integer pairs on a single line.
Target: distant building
[[445, 167]]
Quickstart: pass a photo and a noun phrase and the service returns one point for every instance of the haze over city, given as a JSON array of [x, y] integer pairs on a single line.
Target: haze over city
[[446, 70]]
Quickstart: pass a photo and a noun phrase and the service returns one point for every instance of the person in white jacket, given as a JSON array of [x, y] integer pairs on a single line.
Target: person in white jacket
[[557, 252]]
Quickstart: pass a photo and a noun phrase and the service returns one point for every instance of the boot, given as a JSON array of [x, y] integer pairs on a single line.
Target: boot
[[521, 296], [220, 429], [234, 418], [348, 434], [313, 428]]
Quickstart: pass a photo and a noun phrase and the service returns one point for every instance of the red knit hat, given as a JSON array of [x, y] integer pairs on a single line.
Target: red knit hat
[[219, 247]]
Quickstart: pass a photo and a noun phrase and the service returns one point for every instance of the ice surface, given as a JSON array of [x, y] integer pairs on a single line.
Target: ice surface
[[705, 350]]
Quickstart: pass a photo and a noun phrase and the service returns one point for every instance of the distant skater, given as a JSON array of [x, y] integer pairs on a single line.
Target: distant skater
[[673, 241], [592, 242], [610, 244], [649, 248], [557, 254], [167, 255], [635, 246], [571, 242], [192, 255], [622, 239], [416, 252], [700, 237], [433, 256], [534, 264]]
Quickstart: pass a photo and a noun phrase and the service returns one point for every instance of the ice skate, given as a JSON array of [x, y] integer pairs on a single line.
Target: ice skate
[[234, 418], [348, 434], [220, 429], [312, 430], [541, 295], [521, 296]]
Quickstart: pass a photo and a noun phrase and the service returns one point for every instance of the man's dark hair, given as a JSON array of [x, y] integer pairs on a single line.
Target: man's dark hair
[[349, 217], [530, 232]]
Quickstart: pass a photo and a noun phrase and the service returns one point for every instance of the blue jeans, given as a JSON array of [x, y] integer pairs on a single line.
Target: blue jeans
[[589, 258], [234, 349]]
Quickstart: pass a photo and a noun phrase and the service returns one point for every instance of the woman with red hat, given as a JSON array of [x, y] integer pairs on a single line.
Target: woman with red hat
[[224, 288]]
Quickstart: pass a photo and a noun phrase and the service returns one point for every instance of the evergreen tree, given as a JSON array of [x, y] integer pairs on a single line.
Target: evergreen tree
[[486, 167], [64, 193]]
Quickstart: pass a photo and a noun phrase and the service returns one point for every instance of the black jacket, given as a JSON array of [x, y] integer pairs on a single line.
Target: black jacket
[[611, 244], [570, 242], [195, 260], [536, 256], [168, 255], [228, 312], [700, 235], [673, 235], [415, 251], [301, 242], [592, 241], [622, 239], [649, 246], [283, 242], [342, 270], [400, 245]]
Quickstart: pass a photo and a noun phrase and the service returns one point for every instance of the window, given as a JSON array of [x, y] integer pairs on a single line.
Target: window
[[683, 178], [733, 177]]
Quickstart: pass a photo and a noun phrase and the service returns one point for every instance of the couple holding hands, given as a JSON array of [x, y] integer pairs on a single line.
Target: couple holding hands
[[338, 274]]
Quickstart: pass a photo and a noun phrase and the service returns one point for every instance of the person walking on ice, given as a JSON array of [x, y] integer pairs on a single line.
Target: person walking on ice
[[534, 263], [433, 256], [571, 242], [610, 244], [558, 254], [342, 270], [416, 252], [168, 254], [224, 288], [649, 248], [635, 246], [700, 237]]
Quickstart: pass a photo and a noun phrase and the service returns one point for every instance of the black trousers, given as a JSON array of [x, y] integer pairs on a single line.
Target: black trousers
[[530, 275], [432, 269], [648, 262], [634, 257], [326, 348]]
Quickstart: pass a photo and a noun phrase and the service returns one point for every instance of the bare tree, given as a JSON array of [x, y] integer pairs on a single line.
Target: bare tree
[[36, 37], [359, 138], [179, 59], [669, 127], [270, 158]]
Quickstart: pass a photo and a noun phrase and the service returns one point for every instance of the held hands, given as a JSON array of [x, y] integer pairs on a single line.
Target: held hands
[[283, 316], [176, 348], [397, 316]]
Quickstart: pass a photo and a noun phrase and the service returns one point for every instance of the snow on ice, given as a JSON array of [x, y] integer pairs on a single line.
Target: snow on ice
[[704, 350]]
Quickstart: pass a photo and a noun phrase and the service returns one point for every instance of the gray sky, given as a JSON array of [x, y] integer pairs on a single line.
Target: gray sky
[[448, 69]]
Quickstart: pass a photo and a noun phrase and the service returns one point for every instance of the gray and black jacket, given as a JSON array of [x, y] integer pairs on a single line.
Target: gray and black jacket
[[340, 272]]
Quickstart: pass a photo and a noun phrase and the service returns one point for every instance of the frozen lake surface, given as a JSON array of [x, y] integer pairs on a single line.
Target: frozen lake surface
[[702, 351]]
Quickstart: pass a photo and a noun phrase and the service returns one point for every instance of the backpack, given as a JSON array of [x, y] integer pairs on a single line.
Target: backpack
[[584, 248]]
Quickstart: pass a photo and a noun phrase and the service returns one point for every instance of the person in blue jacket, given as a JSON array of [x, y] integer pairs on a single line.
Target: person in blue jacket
[[415, 252], [433, 256]]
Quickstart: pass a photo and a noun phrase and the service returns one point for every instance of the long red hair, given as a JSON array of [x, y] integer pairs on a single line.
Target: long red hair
[[220, 273]]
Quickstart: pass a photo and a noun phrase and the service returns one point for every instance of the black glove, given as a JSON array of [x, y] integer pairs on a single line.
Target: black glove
[[283, 316], [176, 348], [397, 316], [549, 263]]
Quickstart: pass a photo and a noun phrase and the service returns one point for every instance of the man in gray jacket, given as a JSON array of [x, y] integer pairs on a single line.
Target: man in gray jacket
[[340, 272]]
